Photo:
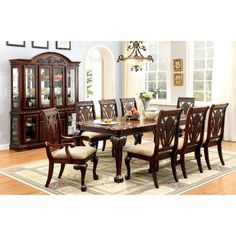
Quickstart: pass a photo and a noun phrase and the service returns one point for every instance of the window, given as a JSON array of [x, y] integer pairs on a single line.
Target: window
[[157, 74], [203, 55]]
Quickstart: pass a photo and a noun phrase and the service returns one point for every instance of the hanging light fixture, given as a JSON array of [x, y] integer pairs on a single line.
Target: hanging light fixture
[[136, 58]]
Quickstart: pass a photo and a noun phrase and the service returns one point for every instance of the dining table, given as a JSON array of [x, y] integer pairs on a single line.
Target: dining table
[[119, 129]]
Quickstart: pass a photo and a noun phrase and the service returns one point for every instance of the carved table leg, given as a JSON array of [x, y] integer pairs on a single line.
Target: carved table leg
[[118, 143]]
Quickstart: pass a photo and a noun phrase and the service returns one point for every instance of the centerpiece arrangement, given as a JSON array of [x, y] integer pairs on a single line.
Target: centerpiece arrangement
[[132, 113]]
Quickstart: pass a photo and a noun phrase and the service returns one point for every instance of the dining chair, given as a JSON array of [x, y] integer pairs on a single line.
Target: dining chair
[[184, 103], [164, 146], [124, 103], [61, 149], [193, 136], [108, 109], [85, 111], [215, 131]]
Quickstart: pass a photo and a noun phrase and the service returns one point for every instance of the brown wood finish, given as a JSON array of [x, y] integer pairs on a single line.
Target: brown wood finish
[[124, 102], [108, 109], [119, 133], [61, 149], [85, 111], [165, 145], [23, 107], [193, 136], [215, 131], [185, 102]]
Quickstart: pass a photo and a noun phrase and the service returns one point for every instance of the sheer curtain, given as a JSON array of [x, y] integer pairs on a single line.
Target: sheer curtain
[[224, 83]]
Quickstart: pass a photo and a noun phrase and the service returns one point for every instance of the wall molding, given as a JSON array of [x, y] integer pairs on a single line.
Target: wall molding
[[4, 146]]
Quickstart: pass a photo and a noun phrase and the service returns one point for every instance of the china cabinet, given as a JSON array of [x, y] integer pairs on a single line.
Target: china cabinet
[[47, 80]]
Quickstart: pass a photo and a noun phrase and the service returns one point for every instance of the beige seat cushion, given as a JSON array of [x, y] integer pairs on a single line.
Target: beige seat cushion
[[180, 143], [80, 152], [94, 135], [145, 149]]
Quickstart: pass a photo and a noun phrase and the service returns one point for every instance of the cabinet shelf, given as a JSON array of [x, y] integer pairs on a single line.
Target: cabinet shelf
[[40, 83]]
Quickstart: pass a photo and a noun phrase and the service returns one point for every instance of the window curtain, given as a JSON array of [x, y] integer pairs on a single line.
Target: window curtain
[[224, 83]]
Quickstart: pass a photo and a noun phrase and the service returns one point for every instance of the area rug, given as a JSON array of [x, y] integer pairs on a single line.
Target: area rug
[[141, 183]]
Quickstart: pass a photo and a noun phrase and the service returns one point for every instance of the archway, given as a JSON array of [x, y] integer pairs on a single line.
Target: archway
[[99, 74]]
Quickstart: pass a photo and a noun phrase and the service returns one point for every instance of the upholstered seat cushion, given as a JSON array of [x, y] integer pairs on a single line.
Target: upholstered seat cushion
[[145, 149], [93, 135], [78, 152]]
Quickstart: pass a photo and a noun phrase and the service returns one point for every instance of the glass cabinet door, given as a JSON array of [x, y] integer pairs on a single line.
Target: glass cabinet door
[[70, 86], [15, 88], [58, 86], [15, 129], [30, 128], [71, 123], [44, 83], [30, 87]]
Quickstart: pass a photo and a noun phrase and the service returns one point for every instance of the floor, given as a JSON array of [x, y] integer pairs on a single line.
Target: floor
[[8, 186]]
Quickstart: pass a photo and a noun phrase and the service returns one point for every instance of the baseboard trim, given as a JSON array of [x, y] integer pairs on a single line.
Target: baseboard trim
[[4, 146]]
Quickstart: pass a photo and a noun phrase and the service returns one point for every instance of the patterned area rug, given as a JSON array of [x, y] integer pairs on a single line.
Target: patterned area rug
[[141, 183]]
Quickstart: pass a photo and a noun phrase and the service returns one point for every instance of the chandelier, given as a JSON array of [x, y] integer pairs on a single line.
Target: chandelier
[[136, 58]]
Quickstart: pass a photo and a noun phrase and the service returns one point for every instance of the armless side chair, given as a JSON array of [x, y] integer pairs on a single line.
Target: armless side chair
[[61, 149], [85, 111], [164, 146], [193, 136], [215, 131], [124, 102]]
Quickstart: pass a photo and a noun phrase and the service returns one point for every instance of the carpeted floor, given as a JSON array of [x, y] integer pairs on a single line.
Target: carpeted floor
[[141, 183]]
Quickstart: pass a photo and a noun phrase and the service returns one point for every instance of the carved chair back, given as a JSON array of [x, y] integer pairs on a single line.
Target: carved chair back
[[85, 111], [167, 131], [52, 125], [194, 128], [184, 103], [216, 122], [124, 102], [108, 109]]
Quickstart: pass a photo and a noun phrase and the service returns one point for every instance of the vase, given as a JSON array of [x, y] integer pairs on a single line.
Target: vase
[[145, 106]]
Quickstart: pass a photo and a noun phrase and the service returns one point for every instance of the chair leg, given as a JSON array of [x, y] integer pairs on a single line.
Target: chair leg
[[50, 173], [95, 162], [104, 145], [154, 174], [206, 154], [173, 167], [127, 163], [82, 167], [219, 147], [198, 157], [150, 167], [61, 170], [182, 163]]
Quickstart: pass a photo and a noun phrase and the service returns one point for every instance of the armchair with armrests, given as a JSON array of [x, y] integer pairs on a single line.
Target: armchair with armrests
[[61, 149]]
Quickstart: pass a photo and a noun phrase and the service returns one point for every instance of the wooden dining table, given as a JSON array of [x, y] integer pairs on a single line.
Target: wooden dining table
[[119, 129]]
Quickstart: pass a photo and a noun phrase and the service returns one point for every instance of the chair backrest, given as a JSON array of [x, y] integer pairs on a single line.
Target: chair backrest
[[194, 128], [185, 102], [108, 109], [167, 131], [52, 127], [85, 111], [124, 102], [216, 122]]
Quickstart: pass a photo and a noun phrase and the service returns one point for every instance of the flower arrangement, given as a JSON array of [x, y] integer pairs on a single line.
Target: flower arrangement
[[145, 97]]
